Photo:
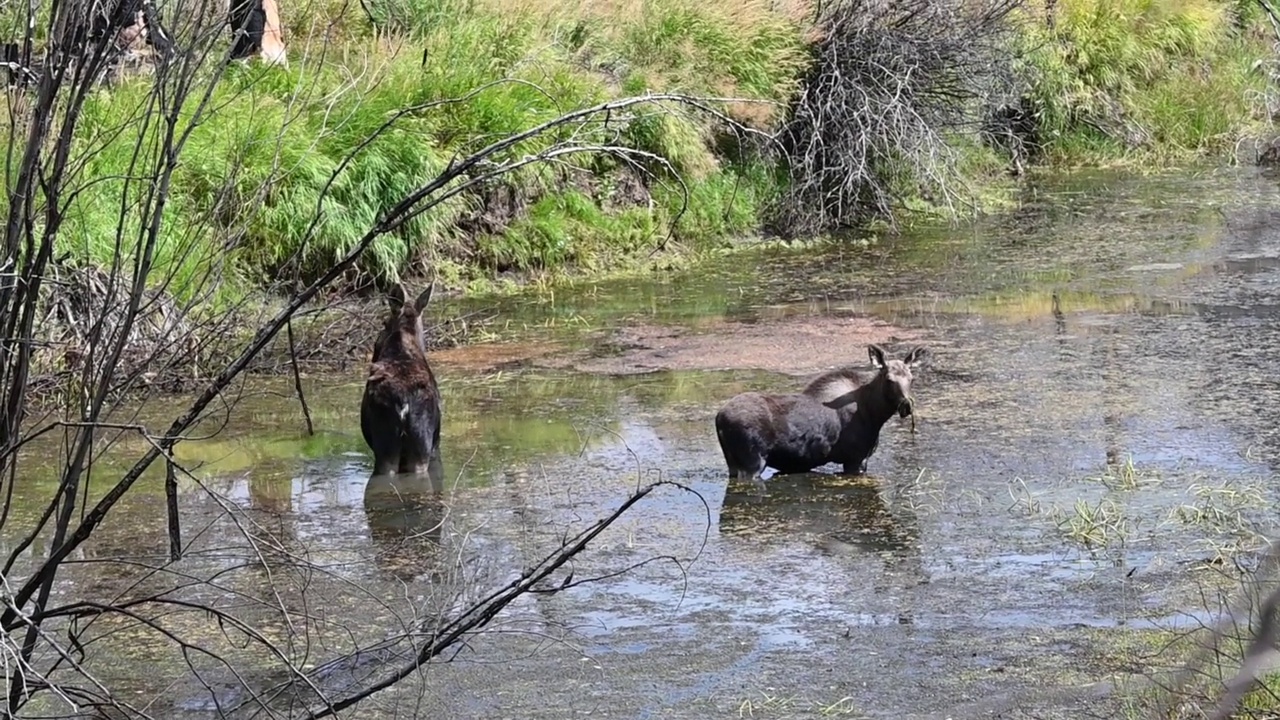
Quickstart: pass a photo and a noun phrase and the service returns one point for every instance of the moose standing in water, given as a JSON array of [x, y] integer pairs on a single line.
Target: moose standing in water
[[400, 412], [837, 418]]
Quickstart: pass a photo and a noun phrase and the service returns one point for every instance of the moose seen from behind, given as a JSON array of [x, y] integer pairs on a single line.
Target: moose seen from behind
[[400, 413], [836, 419]]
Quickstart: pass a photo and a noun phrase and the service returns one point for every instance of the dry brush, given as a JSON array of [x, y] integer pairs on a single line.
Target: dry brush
[[892, 82]]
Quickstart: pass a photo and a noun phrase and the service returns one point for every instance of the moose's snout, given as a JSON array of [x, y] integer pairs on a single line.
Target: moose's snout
[[904, 408]]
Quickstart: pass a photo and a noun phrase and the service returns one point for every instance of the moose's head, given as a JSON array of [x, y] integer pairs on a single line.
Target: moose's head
[[404, 320], [897, 376]]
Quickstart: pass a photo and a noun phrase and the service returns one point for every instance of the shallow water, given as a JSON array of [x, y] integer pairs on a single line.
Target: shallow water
[[1097, 421]]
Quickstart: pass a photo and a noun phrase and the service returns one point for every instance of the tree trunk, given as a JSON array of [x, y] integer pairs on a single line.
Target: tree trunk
[[255, 25]]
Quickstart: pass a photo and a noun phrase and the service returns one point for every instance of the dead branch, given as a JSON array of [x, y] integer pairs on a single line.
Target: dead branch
[[297, 378], [890, 80], [171, 507], [452, 632]]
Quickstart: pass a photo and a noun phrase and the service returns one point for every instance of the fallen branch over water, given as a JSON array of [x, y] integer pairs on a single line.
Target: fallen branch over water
[[449, 635]]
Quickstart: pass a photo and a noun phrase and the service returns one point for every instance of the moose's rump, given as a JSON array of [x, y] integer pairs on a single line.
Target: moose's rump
[[395, 405], [390, 386], [790, 433]]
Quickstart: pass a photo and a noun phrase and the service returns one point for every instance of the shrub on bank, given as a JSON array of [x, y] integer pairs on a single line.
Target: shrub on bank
[[893, 90], [255, 172]]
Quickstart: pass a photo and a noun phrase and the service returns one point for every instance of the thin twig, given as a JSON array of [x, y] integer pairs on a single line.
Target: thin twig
[[171, 503], [297, 378]]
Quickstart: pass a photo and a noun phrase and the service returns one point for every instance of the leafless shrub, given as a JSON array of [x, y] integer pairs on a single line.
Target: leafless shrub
[[1206, 669], [891, 79]]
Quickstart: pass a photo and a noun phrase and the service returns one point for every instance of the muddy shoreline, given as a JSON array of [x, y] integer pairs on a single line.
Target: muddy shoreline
[[796, 345]]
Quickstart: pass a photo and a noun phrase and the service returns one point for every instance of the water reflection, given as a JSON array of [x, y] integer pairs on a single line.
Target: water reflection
[[270, 494], [405, 515], [832, 510]]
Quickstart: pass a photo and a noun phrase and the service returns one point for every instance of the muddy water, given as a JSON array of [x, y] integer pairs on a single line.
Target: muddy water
[[1096, 434]]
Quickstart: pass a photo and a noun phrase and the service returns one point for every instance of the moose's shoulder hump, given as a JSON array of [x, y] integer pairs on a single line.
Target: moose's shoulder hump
[[835, 383]]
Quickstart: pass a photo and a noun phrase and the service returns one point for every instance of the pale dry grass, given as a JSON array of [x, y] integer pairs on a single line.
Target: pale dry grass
[[745, 14]]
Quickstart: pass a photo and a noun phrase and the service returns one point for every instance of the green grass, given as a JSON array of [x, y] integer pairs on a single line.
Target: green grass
[[255, 170], [1144, 79], [1177, 74]]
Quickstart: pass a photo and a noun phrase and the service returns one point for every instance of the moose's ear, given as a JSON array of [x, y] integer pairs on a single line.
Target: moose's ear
[[915, 357], [876, 353], [395, 298], [424, 297]]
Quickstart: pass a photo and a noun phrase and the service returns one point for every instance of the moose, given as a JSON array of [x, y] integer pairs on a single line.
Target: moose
[[400, 413], [836, 419]]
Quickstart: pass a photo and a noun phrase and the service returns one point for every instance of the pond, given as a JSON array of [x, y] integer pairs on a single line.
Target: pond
[[1096, 433]]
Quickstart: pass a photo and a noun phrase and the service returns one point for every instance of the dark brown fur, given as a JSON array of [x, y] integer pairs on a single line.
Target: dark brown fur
[[400, 413], [837, 418]]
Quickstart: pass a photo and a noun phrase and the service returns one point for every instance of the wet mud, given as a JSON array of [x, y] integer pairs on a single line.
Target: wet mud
[[795, 345]]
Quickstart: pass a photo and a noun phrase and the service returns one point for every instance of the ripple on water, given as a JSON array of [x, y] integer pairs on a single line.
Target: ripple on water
[[1104, 352]]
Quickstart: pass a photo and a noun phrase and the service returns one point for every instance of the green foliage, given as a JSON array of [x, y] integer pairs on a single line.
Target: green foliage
[[1170, 76], [266, 157], [104, 222], [688, 44], [677, 138], [566, 227], [570, 227], [1166, 76], [724, 205]]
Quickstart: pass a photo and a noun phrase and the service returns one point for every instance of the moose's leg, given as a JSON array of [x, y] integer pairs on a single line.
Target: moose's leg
[[422, 438], [743, 449], [384, 440], [734, 471], [410, 460], [753, 477], [386, 464], [856, 459], [380, 426], [429, 463], [435, 472], [856, 468]]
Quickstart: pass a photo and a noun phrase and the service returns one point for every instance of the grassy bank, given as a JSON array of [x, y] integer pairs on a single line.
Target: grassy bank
[[254, 172], [1095, 82], [1145, 81]]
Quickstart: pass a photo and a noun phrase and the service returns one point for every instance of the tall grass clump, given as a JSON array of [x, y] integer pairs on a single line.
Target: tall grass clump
[[1116, 78], [266, 165]]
